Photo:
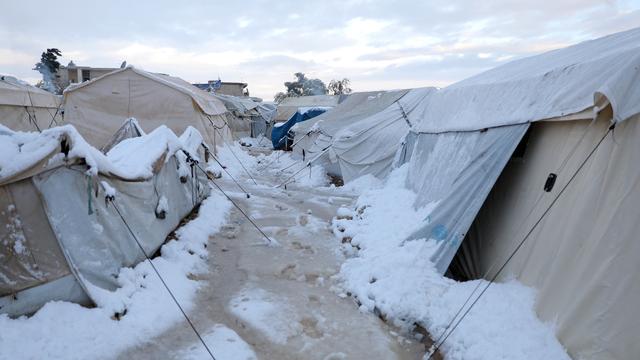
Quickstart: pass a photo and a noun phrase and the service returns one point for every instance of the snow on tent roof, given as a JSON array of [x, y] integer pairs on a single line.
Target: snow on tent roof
[[355, 107], [139, 181], [207, 103], [18, 93], [289, 106], [23, 154], [553, 84]]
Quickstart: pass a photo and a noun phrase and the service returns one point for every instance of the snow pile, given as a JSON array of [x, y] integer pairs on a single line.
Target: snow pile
[[396, 279], [257, 142], [137, 156], [139, 310], [132, 158], [20, 151]]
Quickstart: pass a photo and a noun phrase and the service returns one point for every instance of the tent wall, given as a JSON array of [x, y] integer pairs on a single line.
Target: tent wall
[[454, 172], [27, 118], [583, 257], [367, 145], [97, 110], [96, 240], [29, 252]]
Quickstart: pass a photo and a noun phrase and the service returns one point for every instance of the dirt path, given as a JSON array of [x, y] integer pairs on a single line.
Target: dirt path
[[279, 299]]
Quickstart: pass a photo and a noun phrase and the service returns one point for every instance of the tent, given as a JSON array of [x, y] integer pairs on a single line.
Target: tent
[[482, 151], [280, 132], [362, 134], [27, 108], [247, 117], [290, 105], [61, 237], [313, 137], [98, 107]]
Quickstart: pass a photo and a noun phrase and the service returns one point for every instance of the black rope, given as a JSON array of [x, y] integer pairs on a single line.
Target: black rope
[[240, 162], [189, 158], [227, 172], [305, 166], [35, 119], [162, 280], [544, 214]]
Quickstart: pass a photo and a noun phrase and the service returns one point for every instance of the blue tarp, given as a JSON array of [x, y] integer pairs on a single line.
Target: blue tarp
[[279, 133]]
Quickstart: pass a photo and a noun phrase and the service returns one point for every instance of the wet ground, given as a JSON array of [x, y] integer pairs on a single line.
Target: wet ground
[[280, 299]]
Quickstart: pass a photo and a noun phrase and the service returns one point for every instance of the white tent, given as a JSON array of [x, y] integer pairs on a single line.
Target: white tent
[[582, 256], [368, 145], [247, 117], [98, 107], [315, 134], [60, 235], [290, 105], [26, 108]]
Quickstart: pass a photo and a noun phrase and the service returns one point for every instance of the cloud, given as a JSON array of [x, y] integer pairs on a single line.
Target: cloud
[[378, 44]]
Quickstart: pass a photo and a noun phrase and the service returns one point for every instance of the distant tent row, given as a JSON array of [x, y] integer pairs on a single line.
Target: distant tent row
[[27, 108], [62, 237], [494, 152], [247, 117]]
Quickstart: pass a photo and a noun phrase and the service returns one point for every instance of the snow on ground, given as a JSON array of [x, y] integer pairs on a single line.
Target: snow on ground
[[267, 313], [397, 279], [285, 165], [224, 343], [90, 333]]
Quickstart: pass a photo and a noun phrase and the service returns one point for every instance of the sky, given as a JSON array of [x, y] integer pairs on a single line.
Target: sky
[[376, 44]]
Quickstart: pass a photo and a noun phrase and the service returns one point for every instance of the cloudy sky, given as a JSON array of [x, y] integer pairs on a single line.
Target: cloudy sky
[[377, 44]]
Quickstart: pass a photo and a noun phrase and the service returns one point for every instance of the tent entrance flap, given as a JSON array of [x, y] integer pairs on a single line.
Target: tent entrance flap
[[456, 170]]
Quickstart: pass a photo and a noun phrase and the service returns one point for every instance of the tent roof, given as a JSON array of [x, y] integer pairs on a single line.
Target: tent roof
[[24, 154], [554, 84], [355, 107], [18, 93], [289, 106], [209, 104]]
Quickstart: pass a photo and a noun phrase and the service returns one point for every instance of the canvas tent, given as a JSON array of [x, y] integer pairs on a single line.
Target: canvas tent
[[471, 144], [98, 107], [26, 108], [362, 134], [290, 105], [247, 117], [61, 237]]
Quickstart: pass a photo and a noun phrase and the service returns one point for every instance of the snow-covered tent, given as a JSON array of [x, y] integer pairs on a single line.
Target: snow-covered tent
[[26, 108], [98, 107], [315, 134], [290, 105], [247, 117], [280, 133], [362, 134], [61, 237], [481, 152]]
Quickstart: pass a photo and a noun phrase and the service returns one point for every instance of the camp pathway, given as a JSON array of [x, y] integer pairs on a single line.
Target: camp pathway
[[280, 299]]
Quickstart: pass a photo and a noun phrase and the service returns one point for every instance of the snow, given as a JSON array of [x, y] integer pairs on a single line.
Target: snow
[[109, 190], [132, 158], [396, 278], [266, 312], [224, 343], [280, 163], [82, 333]]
